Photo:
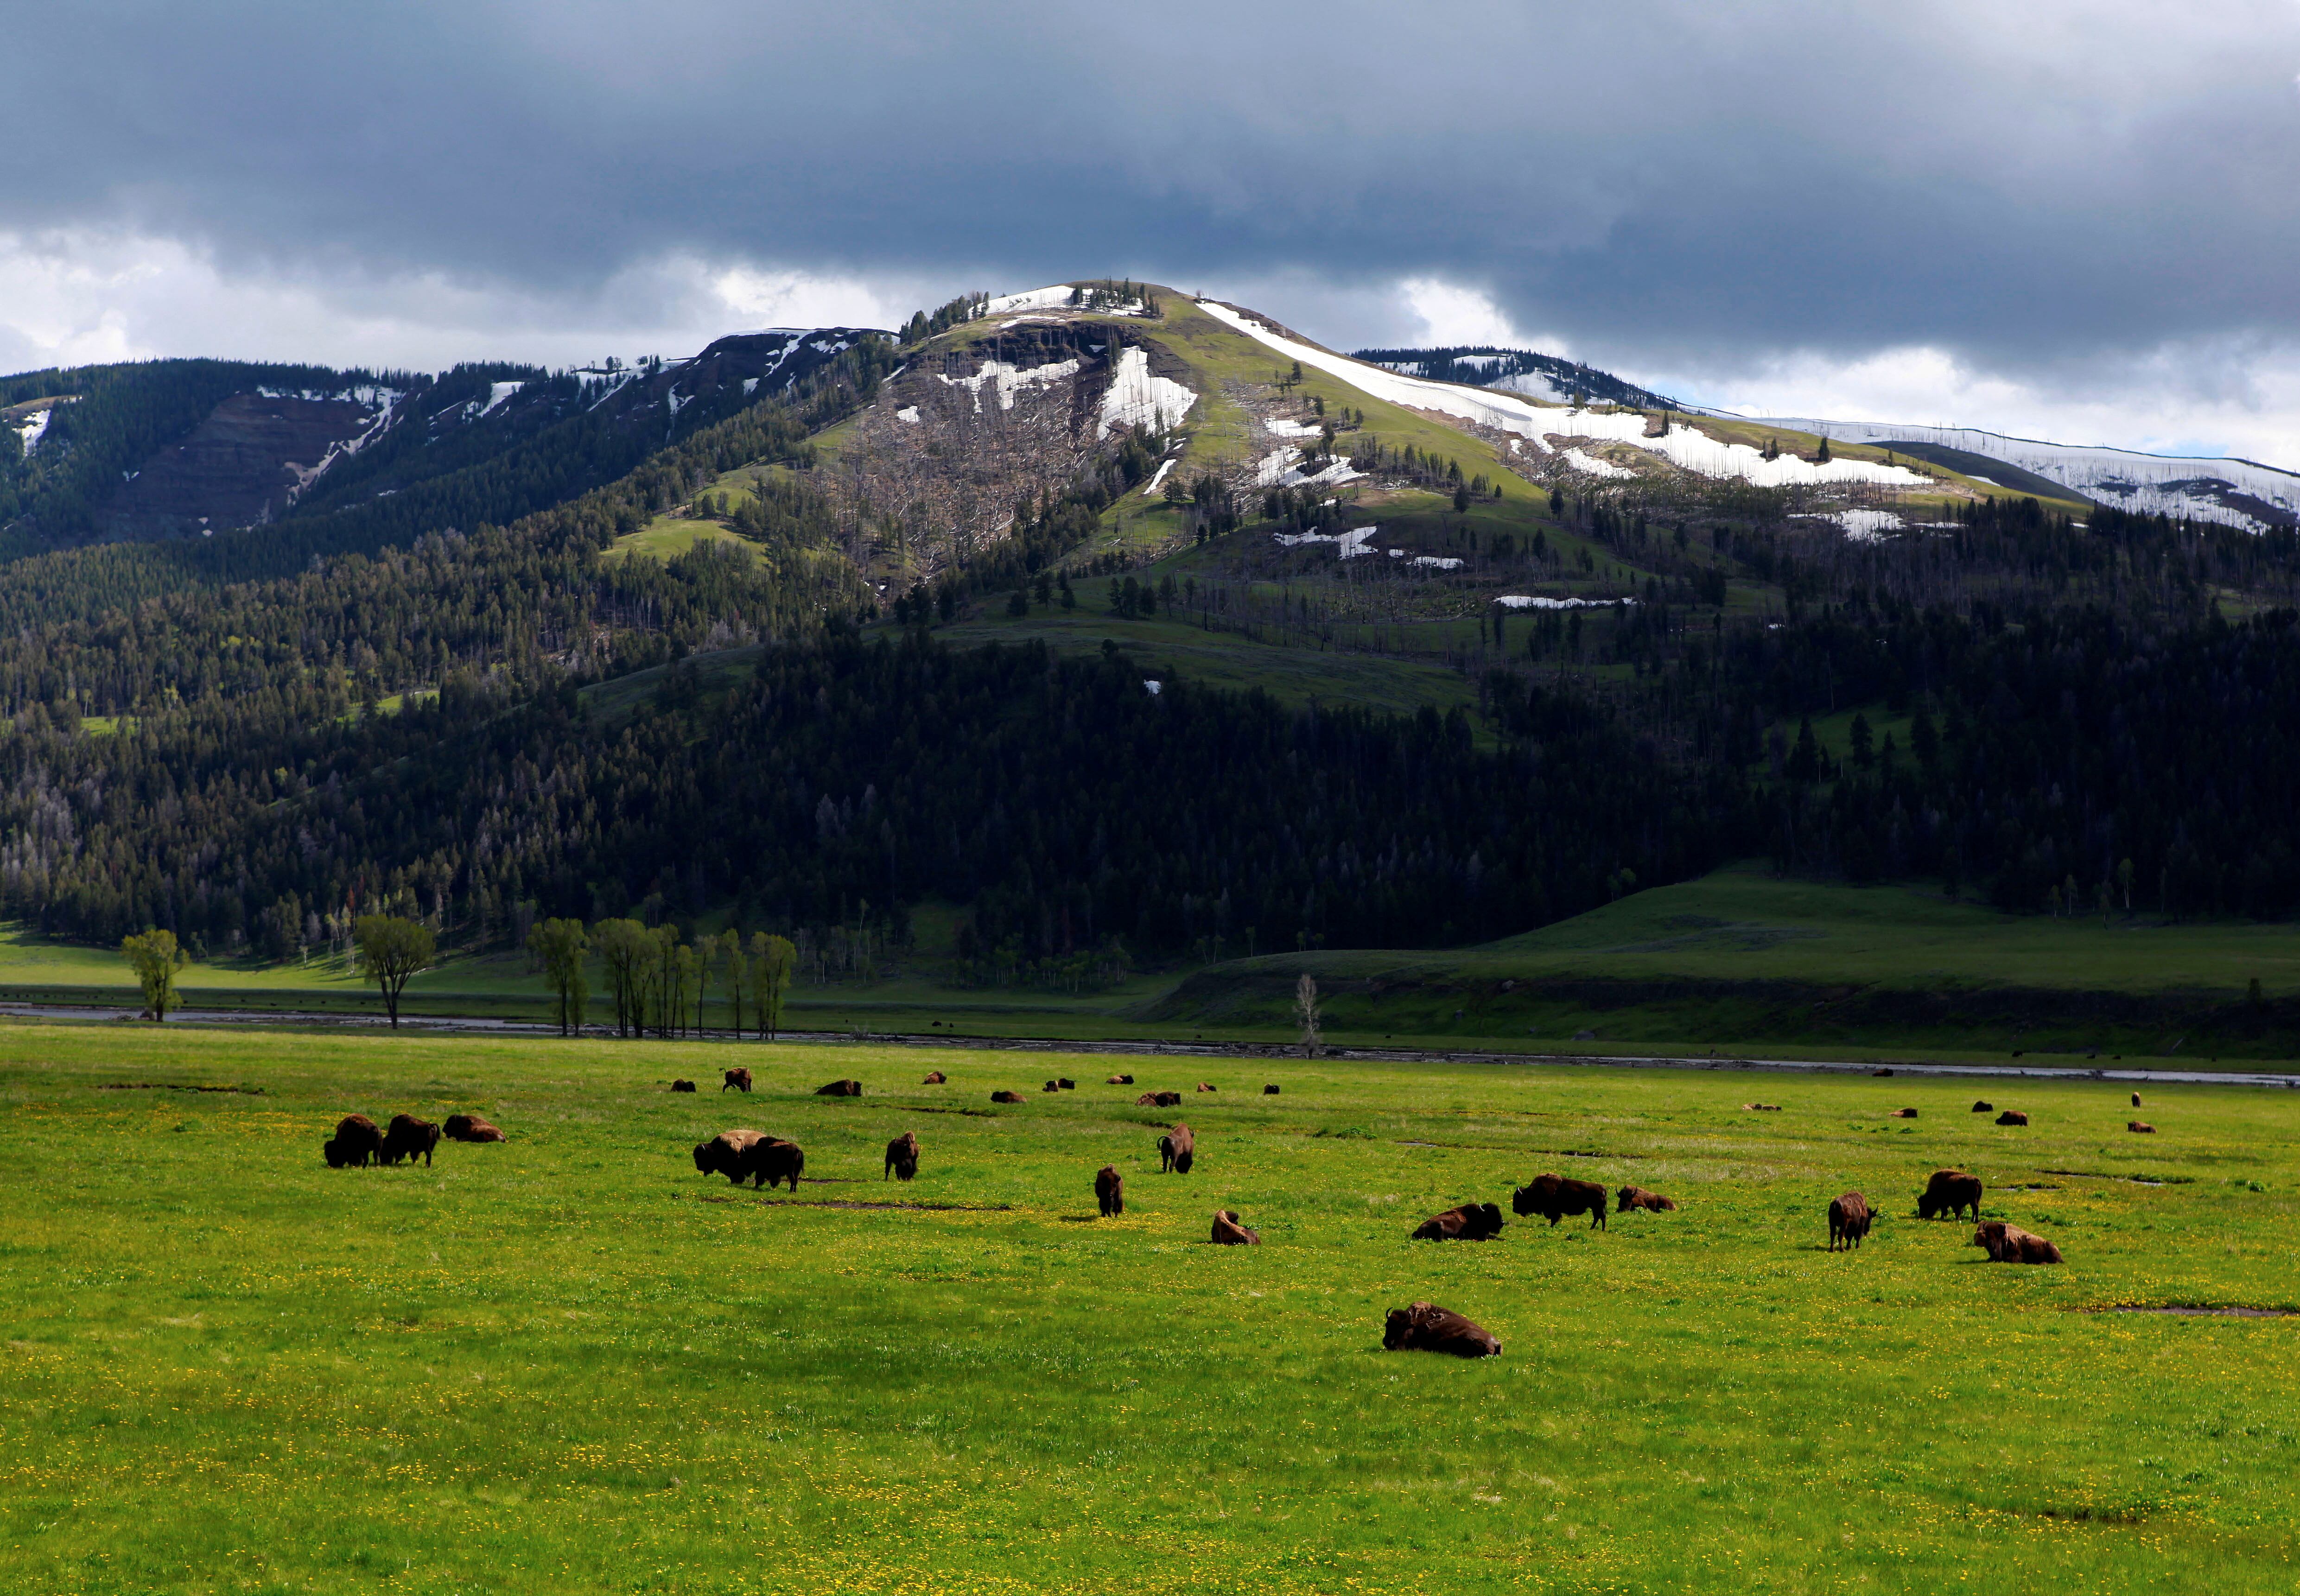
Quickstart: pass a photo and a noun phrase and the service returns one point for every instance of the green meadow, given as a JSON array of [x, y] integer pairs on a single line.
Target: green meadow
[[570, 1363]]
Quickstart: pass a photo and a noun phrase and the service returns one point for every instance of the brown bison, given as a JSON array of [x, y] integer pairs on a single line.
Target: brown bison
[[902, 1157], [1426, 1327], [686, 1086], [1050, 1086], [742, 1155], [2135, 1100], [1205, 1086], [356, 1141], [1270, 1091], [2140, 1127], [1984, 1107], [1229, 1233], [1006, 1097], [1119, 1080], [839, 1089], [1178, 1150], [1471, 1222], [935, 1077], [1760, 1108], [1949, 1192], [406, 1137], [1630, 1197], [2009, 1243], [1159, 1099], [1849, 1220], [1066, 1083], [740, 1079], [1109, 1190], [1904, 1113], [1555, 1196], [470, 1128], [2012, 1117]]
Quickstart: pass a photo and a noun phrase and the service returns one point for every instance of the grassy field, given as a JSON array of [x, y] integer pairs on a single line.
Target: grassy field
[[570, 1363]]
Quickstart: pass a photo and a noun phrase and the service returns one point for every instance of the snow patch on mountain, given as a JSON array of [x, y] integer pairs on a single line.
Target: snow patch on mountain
[[1037, 299], [498, 393], [1158, 478], [1347, 545], [1581, 459], [1006, 379], [1137, 396]]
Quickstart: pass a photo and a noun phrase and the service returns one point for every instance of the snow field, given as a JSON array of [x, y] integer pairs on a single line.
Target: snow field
[[1158, 478], [1348, 545], [1006, 379], [1139, 398], [1522, 600]]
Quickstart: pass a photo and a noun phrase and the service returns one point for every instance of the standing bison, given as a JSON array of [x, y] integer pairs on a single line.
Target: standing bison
[[1426, 1327], [902, 1157], [2135, 1100], [751, 1155], [1178, 1150], [1555, 1196], [356, 1141], [1631, 1197], [1228, 1231], [406, 1137], [1949, 1192], [1849, 1220], [1471, 1222], [1109, 1190], [2009, 1243], [740, 1079]]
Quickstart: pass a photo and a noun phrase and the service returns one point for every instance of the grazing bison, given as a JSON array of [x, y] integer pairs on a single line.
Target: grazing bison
[[1849, 1220], [2012, 1117], [356, 1141], [2009, 1243], [1471, 1222], [1109, 1190], [740, 1079], [2135, 1100], [1984, 1107], [1426, 1327], [1949, 1192], [686, 1086], [2140, 1127], [1904, 1113], [1229, 1233], [1178, 1150], [1555, 1196], [1270, 1091], [1006, 1097], [1119, 1080], [1205, 1086], [934, 1079], [408, 1136], [751, 1155], [1630, 1197], [470, 1128], [840, 1089], [902, 1157]]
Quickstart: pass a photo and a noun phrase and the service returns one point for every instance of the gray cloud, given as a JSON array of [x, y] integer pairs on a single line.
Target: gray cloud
[[1676, 184]]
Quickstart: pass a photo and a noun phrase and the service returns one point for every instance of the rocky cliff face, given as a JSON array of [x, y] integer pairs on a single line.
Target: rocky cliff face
[[240, 467]]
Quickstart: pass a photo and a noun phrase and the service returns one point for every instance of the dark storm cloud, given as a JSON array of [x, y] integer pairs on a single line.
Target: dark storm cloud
[[1675, 182]]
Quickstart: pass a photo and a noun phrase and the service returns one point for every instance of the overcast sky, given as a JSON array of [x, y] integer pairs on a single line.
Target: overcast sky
[[2079, 221]]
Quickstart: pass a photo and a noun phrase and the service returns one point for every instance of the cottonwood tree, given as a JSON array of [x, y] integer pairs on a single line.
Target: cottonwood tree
[[156, 958], [1305, 1009], [772, 961], [627, 949], [560, 945], [393, 949]]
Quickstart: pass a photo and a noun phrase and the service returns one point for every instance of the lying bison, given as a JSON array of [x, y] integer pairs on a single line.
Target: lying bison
[[684, 1086], [1051, 1086], [1471, 1222], [1159, 1099], [751, 1155], [1555, 1196], [1205, 1086], [1178, 1150], [1849, 1220], [1984, 1107], [1270, 1091], [1630, 1197], [1119, 1080], [356, 1143], [2012, 1117], [1426, 1327], [935, 1077], [1760, 1108], [1229, 1233], [2140, 1127], [408, 1136], [740, 1079], [1065, 1083], [839, 1089], [1006, 1097], [1109, 1190], [1904, 1113], [470, 1128], [2008, 1243], [902, 1157], [1949, 1192]]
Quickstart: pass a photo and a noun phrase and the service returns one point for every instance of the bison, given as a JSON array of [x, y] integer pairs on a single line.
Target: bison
[[1760, 1108], [1110, 1191], [902, 1157], [2009, 1243], [1849, 1220], [1205, 1086], [1984, 1107], [686, 1086], [1229, 1233], [2140, 1127], [406, 1136], [470, 1128], [1426, 1327], [2135, 1100], [1270, 1091], [356, 1142], [1555, 1196], [1119, 1080], [1050, 1086], [1630, 1197], [1159, 1099], [839, 1089], [1065, 1083], [751, 1155], [1904, 1113], [2012, 1117], [1006, 1097], [740, 1079], [1471, 1222], [935, 1077], [1949, 1192], [1178, 1150]]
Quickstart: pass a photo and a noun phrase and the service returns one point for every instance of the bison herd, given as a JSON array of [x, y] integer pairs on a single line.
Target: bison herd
[[357, 1144]]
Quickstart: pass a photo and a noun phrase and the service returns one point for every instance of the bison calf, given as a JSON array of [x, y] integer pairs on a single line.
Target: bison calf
[[1178, 1148], [1949, 1192], [1426, 1327], [902, 1157], [2012, 1117], [2009, 1243], [1630, 1197], [840, 1089], [1471, 1222], [1229, 1233], [1849, 1220], [470, 1128], [1555, 1196], [1109, 1190], [740, 1079], [2140, 1127]]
